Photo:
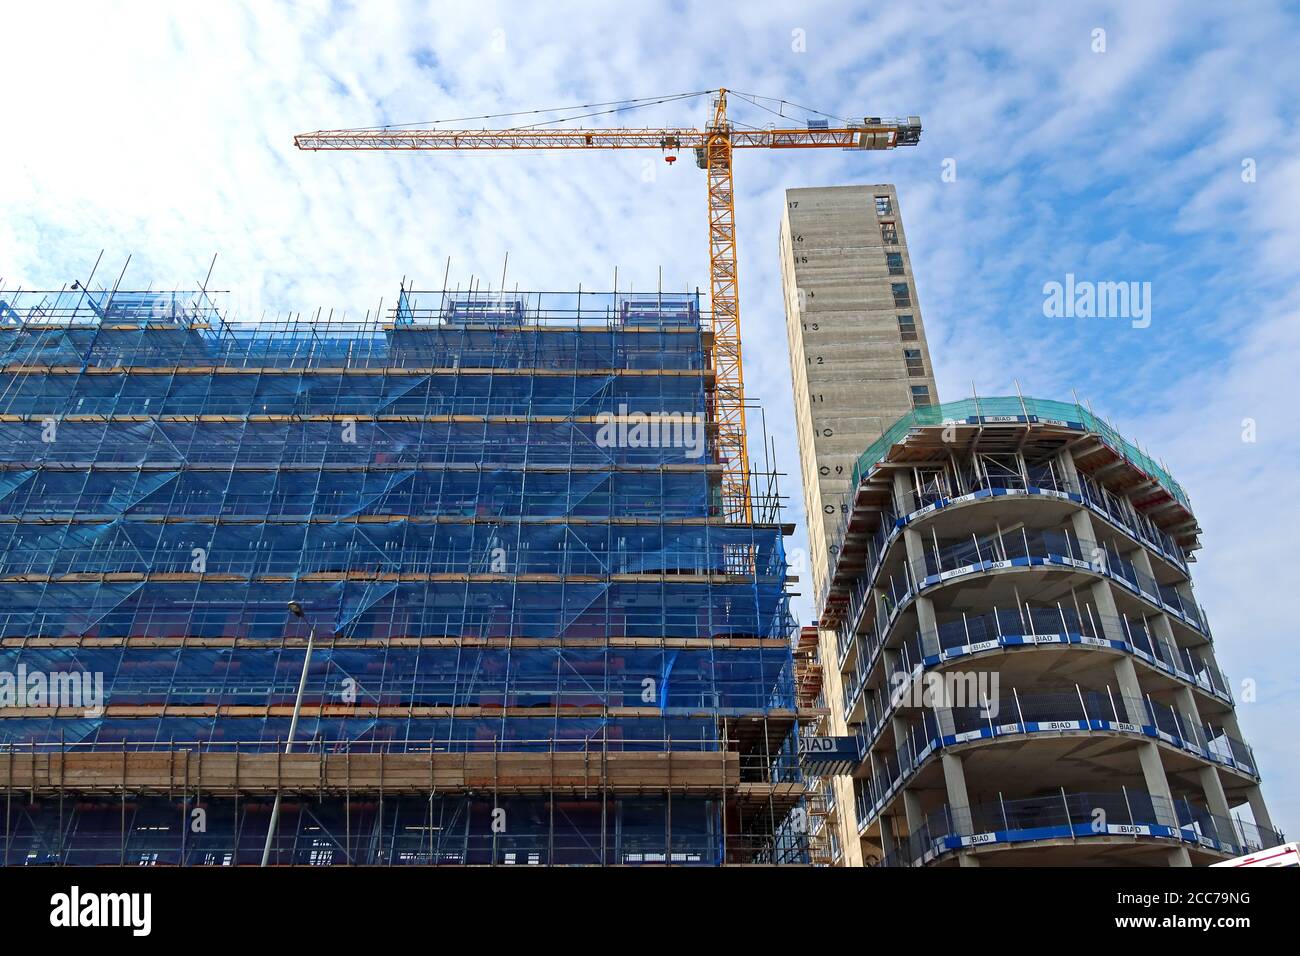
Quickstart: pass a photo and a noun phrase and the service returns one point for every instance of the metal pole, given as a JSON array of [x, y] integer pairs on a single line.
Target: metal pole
[[293, 727], [1068, 822]]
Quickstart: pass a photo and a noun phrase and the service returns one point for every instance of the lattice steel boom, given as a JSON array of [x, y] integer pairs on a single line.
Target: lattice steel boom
[[713, 148]]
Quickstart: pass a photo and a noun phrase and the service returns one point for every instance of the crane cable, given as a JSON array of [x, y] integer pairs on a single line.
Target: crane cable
[[638, 101], [648, 101], [753, 98], [618, 106]]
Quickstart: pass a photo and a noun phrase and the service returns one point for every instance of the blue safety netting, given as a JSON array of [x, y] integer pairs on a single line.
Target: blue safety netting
[[452, 477]]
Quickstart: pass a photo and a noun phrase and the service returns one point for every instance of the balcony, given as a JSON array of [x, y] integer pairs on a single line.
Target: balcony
[[1016, 714], [1129, 813]]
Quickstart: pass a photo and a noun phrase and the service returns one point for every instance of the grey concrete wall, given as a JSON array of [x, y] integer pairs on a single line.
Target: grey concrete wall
[[849, 374], [850, 377]]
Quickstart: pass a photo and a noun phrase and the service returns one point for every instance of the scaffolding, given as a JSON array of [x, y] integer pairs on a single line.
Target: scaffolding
[[504, 517]]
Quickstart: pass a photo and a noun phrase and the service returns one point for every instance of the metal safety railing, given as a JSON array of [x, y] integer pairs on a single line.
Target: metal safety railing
[[1127, 813], [888, 590], [1016, 409], [997, 626], [1010, 713]]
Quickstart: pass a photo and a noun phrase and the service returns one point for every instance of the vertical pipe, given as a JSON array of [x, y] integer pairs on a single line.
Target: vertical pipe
[[123, 847], [293, 727], [9, 799], [1096, 631], [1068, 822]]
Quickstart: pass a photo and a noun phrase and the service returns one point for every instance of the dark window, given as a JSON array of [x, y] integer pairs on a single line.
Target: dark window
[[883, 206], [907, 328], [895, 262], [914, 364], [902, 296], [920, 395], [889, 233]]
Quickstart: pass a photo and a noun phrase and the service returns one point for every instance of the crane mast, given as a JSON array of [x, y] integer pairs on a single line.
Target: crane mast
[[729, 372], [713, 147]]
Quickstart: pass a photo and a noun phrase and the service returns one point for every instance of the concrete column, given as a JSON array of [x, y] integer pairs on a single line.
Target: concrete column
[[943, 718], [893, 661], [1127, 678], [877, 601], [1081, 524], [1142, 561], [916, 558], [902, 490], [900, 728], [1255, 797], [1066, 462], [1206, 653], [954, 781], [924, 606], [1153, 768], [1191, 715], [1153, 772], [1163, 632], [1081, 517], [912, 809], [1104, 600], [925, 616], [902, 501], [915, 546], [1215, 798], [1229, 723], [846, 820], [888, 841]]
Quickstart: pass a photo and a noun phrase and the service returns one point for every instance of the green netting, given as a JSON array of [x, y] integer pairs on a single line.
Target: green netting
[[1032, 409]]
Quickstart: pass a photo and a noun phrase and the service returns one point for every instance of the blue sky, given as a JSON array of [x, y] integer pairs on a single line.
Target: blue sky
[[141, 130]]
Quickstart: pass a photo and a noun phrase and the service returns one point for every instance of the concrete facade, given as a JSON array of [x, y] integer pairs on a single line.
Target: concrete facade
[[843, 259], [848, 350], [1023, 661]]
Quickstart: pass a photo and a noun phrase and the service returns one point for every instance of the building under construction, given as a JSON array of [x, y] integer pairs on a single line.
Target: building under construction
[[1018, 670], [454, 585]]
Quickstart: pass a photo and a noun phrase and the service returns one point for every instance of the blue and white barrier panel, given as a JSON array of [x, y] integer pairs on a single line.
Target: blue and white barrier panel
[[829, 756]]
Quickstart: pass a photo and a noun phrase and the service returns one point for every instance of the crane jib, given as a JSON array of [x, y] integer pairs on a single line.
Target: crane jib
[[878, 136]]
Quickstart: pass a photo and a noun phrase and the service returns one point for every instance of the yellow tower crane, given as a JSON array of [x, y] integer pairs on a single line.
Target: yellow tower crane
[[713, 146]]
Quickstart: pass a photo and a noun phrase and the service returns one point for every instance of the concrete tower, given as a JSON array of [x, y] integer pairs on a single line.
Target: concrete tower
[[858, 359]]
